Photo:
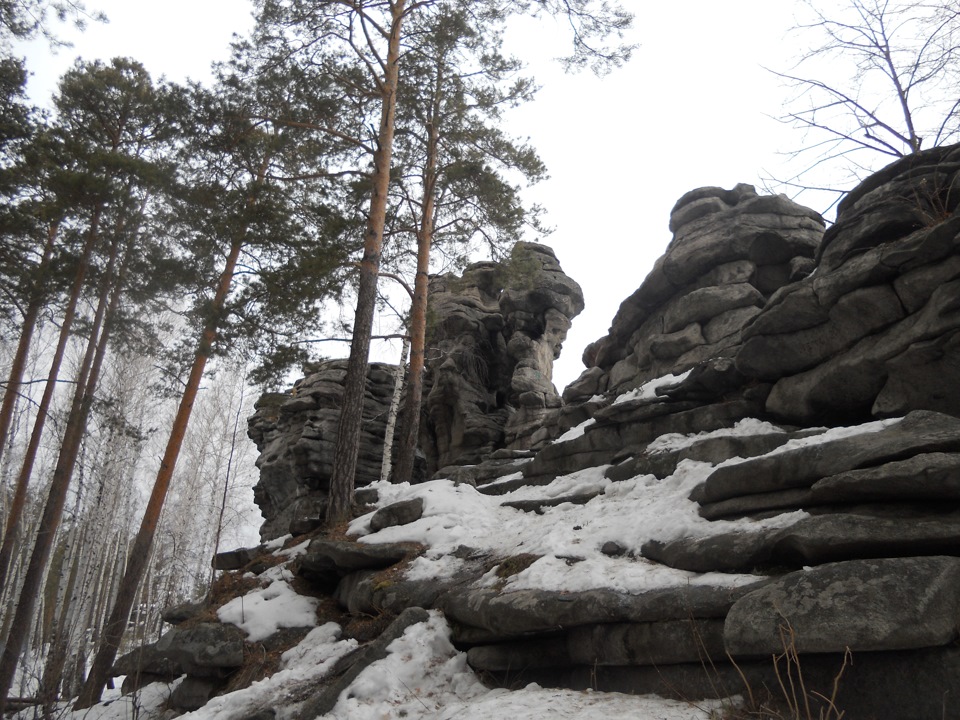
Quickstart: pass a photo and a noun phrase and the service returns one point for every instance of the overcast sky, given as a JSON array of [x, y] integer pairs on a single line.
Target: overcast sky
[[693, 108]]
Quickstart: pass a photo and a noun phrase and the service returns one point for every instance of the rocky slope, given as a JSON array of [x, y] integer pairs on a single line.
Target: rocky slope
[[757, 477]]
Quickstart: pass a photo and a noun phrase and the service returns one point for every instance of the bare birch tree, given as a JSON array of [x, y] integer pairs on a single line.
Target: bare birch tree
[[879, 81]]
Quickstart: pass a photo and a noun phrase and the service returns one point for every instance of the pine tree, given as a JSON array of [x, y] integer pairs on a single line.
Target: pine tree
[[454, 161], [371, 37], [26, 19], [238, 206], [109, 120]]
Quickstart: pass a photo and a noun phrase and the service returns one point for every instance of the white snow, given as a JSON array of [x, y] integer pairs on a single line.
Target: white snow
[[677, 441], [424, 676], [276, 543], [301, 668], [262, 612], [629, 513], [648, 391], [575, 432], [295, 551], [836, 434]]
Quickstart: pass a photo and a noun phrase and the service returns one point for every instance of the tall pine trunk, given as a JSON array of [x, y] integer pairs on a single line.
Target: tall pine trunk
[[140, 552], [15, 377], [23, 479], [62, 474], [351, 413], [418, 309]]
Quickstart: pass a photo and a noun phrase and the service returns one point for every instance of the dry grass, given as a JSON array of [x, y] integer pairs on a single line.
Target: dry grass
[[936, 197], [514, 565], [796, 700], [262, 659]]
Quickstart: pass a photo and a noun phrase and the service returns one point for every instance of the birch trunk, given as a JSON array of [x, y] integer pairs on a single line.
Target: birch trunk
[[394, 412]]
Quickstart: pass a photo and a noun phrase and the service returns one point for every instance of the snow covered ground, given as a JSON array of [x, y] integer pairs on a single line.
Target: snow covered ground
[[424, 676]]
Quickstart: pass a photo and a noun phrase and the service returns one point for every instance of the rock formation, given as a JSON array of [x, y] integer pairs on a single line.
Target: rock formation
[[731, 250], [874, 332], [494, 334], [812, 452], [296, 435]]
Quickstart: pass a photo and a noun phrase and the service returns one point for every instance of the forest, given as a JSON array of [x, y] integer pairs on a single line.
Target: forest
[[160, 239], [169, 251]]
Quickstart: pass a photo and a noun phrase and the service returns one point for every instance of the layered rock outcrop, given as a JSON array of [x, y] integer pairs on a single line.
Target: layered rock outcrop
[[793, 400], [494, 334], [874, 332], [296, 435], [731, 250]]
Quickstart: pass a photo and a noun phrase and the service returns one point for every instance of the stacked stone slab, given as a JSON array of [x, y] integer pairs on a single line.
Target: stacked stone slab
[[207, 653], [296, 435], [731, 250], [876, 330], [494, 334]]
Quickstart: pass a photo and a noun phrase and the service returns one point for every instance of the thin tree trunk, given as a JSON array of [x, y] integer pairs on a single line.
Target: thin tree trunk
[[226, 484], [140, 552], [351, 413], [398, 377], [418, 309], [62, 474], [15, 377], [23, 480], [52, 677]]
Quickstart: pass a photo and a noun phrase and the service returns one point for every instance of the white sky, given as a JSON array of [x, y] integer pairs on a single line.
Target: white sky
[[692, 109]]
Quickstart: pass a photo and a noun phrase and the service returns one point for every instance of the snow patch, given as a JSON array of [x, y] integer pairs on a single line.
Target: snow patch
[[262, 612], [648, 391], [575, 432], [746, 427]]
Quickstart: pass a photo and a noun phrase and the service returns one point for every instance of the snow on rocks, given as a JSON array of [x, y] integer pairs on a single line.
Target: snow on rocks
[[262, 612]]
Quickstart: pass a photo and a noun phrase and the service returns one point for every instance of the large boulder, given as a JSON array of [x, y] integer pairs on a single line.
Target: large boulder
[[205, 650], [863, 605]]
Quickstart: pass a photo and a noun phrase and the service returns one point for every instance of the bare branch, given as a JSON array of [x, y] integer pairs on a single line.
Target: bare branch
[[312, 341], [903, 68]]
